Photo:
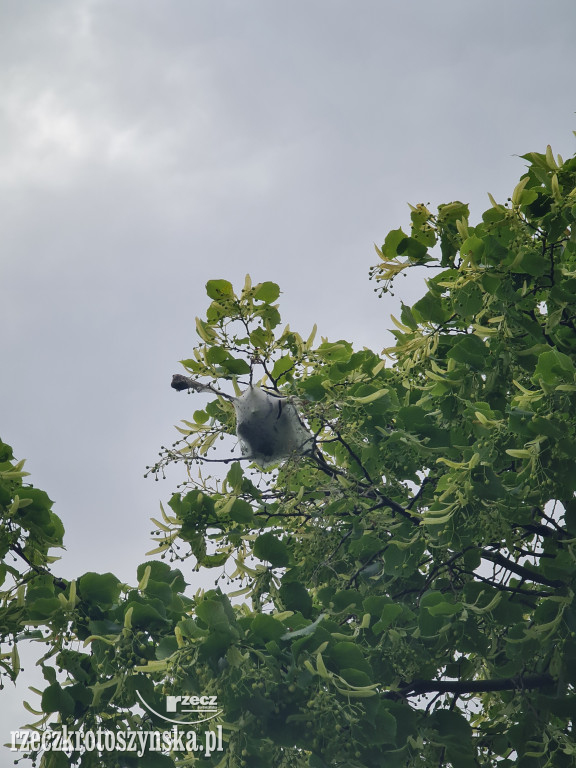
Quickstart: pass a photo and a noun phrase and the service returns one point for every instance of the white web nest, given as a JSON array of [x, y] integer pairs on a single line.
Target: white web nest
[[269, 428]]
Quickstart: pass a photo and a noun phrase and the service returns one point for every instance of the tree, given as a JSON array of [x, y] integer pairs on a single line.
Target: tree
[[400, 590], [28, 530]]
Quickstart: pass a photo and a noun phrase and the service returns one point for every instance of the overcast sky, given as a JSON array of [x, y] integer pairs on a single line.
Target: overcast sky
[[147, 146]]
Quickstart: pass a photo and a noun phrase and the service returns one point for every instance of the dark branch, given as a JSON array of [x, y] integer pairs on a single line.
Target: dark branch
[[386, 501], [543, 530], [513, 590], [418, 687], [527, 573], [416, 497], [180, 382], [37, 569], [354, 456]]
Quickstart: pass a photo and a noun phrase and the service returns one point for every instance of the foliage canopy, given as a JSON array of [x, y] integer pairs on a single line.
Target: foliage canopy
[[402, 593]]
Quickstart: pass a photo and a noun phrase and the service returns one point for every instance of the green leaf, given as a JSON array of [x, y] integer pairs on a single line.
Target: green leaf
[[430, 308], [415, 419], [451, 726], [312, 387], [393, 239], [468, 300], [335, 352], [101, 589], [429, 599], [410, 247], [219, 289], [39, 499], [42, 607], [531, 263], [267, 627], [388, 616], [349, 656], [355, 676], [213, 561], [282, 365], [470, 350], [346, 597], [407, 318], [261, 338], [192, 506], [237, 366], [166, 647], [269, 548], [242, 512], [235, 476], [268, 314], [295, 597], [201, 417], [366, 547], [214, 614], [267, 292], [473, 245], [385, 727], [56, 699], [451, 212], [215, 355], [445, 609], [151, 614], [159, 590], [421, 227], [553, 368]]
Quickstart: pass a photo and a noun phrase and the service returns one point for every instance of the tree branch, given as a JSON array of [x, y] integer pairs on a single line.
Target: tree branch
[[527, 573], [426, 481], [418, 687], [180, 382]]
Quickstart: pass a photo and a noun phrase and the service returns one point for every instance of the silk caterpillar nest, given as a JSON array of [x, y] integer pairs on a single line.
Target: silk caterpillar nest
[[269, 428]]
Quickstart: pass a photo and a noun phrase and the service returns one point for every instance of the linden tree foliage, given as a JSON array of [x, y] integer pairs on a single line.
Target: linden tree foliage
[[401, 592], [409, 583], [28, 530]]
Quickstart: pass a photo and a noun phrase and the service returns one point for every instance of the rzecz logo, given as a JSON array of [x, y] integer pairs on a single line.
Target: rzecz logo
[[204, 707]]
